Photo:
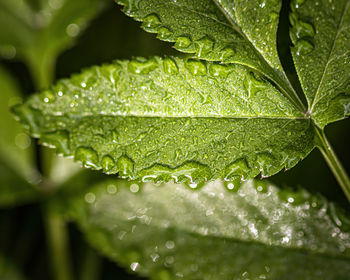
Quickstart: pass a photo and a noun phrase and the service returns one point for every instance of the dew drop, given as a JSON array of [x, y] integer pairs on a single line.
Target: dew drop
[[107, 164], [134, 188], [233, 185], [59, 140], [90, 197], [265, 163], [47, 96], [164, 33], [236, 169], [8, 51], [227, 54], [205, 46], [134, 266], [182, 42], [195, 67], [151, 22], [87, 156], [112, 189], [261, 186], [292, 197], [303, 47], [73, 30], [125, 167], [142, 66], [170, 67], [218, 70], [22, 141]]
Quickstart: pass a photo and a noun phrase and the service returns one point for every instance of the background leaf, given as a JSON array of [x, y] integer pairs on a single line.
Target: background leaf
[[258, 232], [320, 33], [159, 119], [8, 271], [43, 29]]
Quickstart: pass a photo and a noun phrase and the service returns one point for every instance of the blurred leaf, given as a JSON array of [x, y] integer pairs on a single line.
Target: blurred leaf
[[257, 232], [15, 144], [37, 31], [8, 271]]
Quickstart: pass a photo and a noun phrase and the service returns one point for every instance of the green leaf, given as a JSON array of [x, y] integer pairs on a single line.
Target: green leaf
[[320, 33], [163, 119], [38, 33], [259, 232], [15, 144], [242, 32]]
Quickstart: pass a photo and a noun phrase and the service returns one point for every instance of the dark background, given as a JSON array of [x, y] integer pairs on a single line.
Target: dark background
[[115, 36]]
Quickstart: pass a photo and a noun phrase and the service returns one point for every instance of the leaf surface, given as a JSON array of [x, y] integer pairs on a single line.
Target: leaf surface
[[320, 33], [173, 232], [163, 119], [8, 271], [242, 32]]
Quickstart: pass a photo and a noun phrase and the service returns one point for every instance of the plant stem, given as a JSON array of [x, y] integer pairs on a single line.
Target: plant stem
[[333, 162], [42, 69], [57, 239]]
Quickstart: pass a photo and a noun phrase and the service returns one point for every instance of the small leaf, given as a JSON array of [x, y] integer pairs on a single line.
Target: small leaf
[[320, 33], [259, 232], [37, 34], [163, 119], [242, 32], [15, 144]]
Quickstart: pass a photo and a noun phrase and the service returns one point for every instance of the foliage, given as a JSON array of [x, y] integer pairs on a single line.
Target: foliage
[[224, 109]]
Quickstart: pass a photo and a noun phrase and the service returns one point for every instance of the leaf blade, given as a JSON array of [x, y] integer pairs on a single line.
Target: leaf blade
[[321, 55], [171, 117], [173, 230]]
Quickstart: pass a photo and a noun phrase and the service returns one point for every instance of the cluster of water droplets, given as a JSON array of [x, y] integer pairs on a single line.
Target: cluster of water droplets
[[302, 33]]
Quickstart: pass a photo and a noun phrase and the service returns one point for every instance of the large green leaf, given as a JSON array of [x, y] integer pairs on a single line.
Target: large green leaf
[[229, 31], [173, 232], [37, 31], [320, 33], [160, 119]]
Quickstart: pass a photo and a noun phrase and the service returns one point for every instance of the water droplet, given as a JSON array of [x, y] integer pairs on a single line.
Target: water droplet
[[112, 189], [300, 30], [265, 163], [169, 66], [170, 244], [227, 54], [205, 46], [8, 51], [219, 70], [303, 47], [292, 197], [238, 168], [47, 96], [151, 22], [261, 186], [115, 136], [125, 166], [134, 266], [233, 185], [182, 42], [87, 156], [164, 33], [107, 164], [252, 84], [339, 217], [90, 197], [196, 67], [22, 141], [58, 140], [142, 66], [29, 117], [73, 30]]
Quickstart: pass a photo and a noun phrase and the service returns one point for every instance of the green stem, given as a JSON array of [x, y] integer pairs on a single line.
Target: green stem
[[57, 239], [91, 265], [42, 68], [333, 162]]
